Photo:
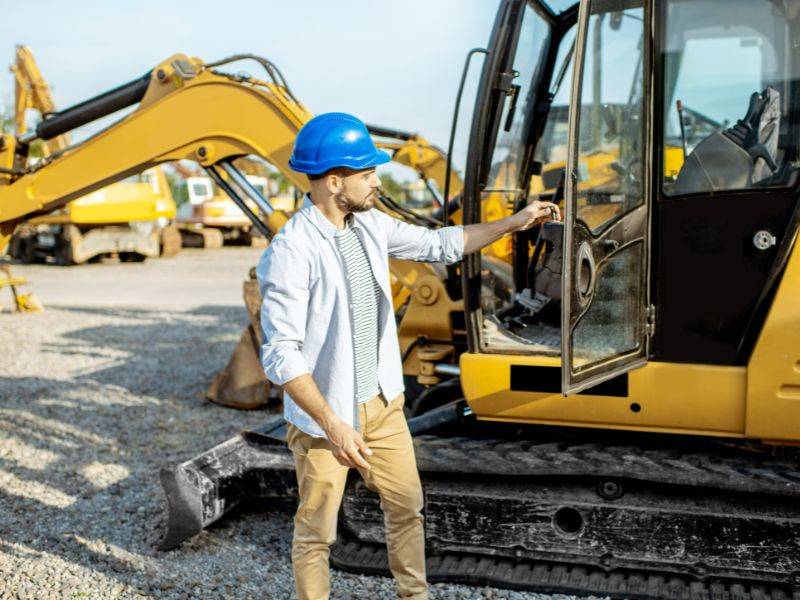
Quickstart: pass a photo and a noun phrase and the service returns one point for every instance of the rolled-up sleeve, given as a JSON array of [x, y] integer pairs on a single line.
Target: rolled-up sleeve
[[283, 278], [412, 242]]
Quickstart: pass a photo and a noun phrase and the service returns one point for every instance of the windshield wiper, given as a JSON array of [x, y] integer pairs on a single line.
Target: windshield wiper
[[562, 72]]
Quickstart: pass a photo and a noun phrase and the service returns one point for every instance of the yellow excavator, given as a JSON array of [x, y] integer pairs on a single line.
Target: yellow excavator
[[625, 417], [131, 218], [240, 116]]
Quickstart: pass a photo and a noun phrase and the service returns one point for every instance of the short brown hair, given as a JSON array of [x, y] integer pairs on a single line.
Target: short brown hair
[[341, 171]]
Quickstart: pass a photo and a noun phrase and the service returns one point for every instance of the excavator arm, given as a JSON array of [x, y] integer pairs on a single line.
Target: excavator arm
[[417, 153], [184, 110]]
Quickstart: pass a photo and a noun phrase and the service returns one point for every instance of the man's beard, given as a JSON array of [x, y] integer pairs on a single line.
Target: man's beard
[[350, 205]]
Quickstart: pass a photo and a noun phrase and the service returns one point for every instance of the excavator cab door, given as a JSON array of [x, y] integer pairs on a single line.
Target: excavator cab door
[[605, 325]]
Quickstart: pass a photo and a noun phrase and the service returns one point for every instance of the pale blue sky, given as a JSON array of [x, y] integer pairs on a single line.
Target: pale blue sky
[[392, 63]]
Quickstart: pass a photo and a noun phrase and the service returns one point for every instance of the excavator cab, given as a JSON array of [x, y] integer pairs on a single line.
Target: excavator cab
[[667, 130]]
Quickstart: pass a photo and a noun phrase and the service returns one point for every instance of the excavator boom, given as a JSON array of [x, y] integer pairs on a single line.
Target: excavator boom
[[212, 117]]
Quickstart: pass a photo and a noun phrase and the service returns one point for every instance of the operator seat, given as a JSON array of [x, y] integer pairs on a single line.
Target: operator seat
[[738, 157]]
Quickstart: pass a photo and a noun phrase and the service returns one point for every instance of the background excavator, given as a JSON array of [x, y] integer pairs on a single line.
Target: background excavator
[[207, 217], [131, 218], [29, 190], [627, 415]]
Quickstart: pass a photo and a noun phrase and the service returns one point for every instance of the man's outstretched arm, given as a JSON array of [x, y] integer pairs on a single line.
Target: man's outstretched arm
[[482, 234], [449, 244]]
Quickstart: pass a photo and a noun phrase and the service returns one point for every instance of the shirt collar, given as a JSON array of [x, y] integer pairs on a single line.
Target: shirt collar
[[320, 221]]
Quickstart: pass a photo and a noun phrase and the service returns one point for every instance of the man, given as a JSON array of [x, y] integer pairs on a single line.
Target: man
[[330, 340]]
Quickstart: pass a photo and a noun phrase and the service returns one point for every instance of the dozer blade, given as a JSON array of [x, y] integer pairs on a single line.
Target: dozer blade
[[253, 464], [700, 521]]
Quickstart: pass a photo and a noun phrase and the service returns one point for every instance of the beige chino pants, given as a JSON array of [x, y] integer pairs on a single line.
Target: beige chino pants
[[393, 475]]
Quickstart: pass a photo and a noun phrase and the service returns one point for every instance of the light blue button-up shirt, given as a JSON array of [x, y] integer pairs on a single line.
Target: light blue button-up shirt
[[306, 314]]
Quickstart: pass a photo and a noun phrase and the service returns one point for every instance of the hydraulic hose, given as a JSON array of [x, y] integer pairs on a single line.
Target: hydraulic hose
[[92, 109], [272, 70]]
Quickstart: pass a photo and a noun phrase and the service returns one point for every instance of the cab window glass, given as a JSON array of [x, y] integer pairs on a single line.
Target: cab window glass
[[508, 181], [609, 153], [200, 190], [509, 149], [551, 149], [727, 101], [559, 6], [504, 186]]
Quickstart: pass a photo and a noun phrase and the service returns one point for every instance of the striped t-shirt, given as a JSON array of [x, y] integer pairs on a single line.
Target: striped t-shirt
[[364, 295]]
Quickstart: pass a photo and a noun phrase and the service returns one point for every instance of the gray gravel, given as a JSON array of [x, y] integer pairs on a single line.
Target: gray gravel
[[93, 401]]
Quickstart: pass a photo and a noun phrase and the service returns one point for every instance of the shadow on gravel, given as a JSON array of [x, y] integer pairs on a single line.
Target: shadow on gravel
[[50, 504], [163, 353], [80, 452]]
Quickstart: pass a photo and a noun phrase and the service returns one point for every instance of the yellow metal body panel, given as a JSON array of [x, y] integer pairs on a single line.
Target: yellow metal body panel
[[429, 308], [277, 220], [673, 161], [672, 398], [773, 382], [120, 202]]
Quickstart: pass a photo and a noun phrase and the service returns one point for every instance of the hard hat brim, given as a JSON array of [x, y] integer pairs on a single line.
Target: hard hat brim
[[357, 164]]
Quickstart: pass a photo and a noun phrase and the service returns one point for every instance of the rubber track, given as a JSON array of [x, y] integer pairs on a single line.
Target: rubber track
[[554, 578], [725, 469], [720, 467]]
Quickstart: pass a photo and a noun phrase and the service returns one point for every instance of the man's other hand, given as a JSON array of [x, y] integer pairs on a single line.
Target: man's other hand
[[347, 446], [536, 213]]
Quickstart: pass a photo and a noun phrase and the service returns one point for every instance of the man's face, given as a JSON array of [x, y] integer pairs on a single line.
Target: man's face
[[359, 190]]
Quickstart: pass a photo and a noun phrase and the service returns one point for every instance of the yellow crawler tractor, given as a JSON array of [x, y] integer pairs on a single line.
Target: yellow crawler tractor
[[627, 408]]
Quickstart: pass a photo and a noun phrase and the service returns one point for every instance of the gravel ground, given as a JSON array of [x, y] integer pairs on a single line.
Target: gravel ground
[[93, 401]]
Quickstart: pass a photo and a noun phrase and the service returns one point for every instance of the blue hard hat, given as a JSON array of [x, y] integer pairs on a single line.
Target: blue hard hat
[[335, 140]]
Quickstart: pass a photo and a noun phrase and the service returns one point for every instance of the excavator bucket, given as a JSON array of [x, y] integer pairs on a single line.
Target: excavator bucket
[[242, 383], [25, 303]]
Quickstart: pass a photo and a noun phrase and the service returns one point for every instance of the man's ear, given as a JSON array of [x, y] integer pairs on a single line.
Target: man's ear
[[334, 182]]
